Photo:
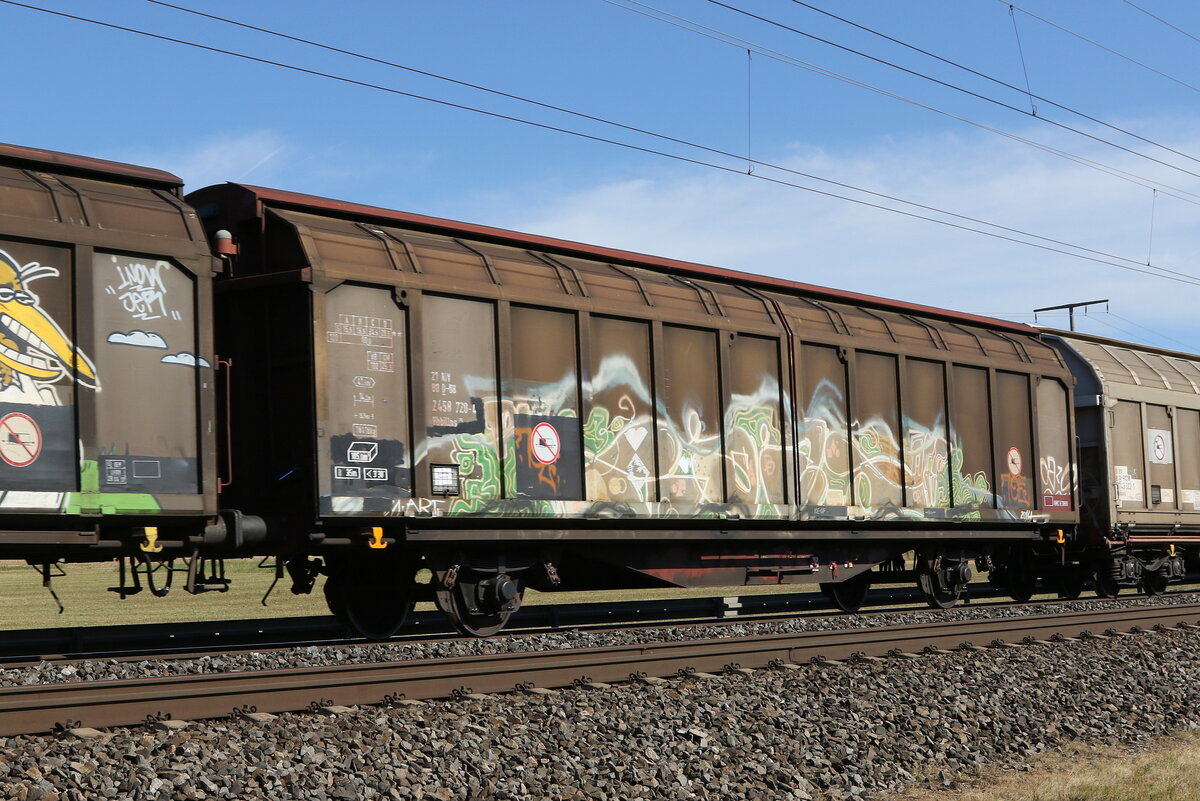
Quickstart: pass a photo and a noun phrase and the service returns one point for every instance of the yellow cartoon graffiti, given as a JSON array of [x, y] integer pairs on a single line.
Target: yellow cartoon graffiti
[[32, 346]]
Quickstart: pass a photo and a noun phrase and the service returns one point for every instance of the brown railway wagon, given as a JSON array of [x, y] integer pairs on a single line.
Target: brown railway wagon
[[106, 401], [520, 410], [1138, 413]]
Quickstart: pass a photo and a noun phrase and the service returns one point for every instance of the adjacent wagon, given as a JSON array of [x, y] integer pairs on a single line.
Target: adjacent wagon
[[1138, 414], [106, 363]]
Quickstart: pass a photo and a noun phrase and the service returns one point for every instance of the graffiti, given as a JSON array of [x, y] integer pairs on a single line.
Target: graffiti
[[754, 446], [690, 458], [33, 348], [926, 466], [141, 290], [140, 339], [824, 450], [933, 473], [531, 407], [618, 436], [479, 468], [545, 467], [970, 491], [877, 463], [186, 359], [1057, 483], [418, 507], [613, 444], [91, 499], [1015, 492], [641, 459], [38, 460]]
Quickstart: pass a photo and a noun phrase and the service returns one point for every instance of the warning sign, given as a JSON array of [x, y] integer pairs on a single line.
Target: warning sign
[[20, 439], [1159, 445], [545, 443], [1014, 461]]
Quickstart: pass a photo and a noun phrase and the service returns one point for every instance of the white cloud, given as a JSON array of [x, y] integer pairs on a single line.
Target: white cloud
[[141, 339], [742, 223], [184, 358]]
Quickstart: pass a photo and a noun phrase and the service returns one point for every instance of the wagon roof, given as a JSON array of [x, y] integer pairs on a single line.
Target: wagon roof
[[1120, 343], [53, 161], [567, 247], [1134, 371]]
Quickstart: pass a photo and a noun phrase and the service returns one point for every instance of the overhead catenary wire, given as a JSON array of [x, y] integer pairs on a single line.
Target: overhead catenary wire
[[1103, 47], [1074, 251], [993, 79], [1083, 317], [1131, 334], [676, 140], [1168, 189], [1170, 25], [749, 110], [1171, 191], [954, 87], [1010, 315], [684, 23], [1024, 69], [1150, 244], [1158, 334]]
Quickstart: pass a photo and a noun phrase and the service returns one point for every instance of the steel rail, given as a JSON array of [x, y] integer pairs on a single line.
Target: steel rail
[[42, 708], [182, 639]]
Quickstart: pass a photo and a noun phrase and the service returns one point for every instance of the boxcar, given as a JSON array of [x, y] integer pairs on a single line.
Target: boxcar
[[511, 410], [1138, 415], [106, 382]]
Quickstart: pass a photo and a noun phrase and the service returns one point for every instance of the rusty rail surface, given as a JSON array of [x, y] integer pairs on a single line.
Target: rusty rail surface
[[42, 708]]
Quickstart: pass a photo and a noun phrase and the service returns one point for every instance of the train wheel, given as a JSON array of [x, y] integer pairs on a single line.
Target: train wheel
[[942, 597], [1106, 582], [1016, 576], [1070, 585], [943, 581], [1155, 582], [479, 605], [848, 595], [1021, 588], [370, 596], [333, 598]]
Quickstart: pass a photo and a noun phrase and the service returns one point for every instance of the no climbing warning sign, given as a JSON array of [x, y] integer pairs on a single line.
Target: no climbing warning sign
[[20, 439], [1159, 447], [545, 443], [548, 459]]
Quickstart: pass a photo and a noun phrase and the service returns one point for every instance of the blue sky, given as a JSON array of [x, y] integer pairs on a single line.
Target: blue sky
[[208, 117]]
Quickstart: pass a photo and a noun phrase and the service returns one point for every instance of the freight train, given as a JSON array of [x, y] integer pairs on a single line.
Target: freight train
[[375, 397]]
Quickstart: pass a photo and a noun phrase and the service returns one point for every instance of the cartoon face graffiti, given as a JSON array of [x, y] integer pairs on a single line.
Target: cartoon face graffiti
[[31, 343]]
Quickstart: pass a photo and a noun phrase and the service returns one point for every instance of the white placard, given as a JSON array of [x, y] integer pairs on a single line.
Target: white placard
[[1128, 487], [1190, 498], [1159, 448]]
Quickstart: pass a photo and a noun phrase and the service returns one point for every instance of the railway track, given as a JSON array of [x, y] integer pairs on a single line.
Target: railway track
[[200, 638], [23, 646], [49, 707]]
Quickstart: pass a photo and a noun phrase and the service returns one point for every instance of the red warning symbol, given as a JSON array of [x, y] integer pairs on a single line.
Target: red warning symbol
[[20, 439], [545, 443], [1014, 461]]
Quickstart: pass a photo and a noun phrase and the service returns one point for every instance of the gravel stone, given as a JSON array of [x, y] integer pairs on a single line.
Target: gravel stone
[[100, 670], [857, 730]]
